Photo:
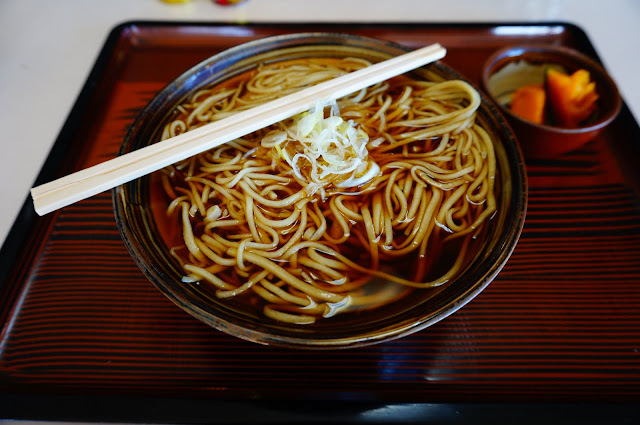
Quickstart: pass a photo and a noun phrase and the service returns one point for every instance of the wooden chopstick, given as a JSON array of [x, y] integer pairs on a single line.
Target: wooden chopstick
[[109, 174]]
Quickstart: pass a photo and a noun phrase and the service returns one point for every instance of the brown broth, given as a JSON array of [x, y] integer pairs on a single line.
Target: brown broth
[[439, 258]]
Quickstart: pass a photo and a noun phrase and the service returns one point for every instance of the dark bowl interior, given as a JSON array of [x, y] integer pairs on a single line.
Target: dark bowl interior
[[134, 210], [545, 140]]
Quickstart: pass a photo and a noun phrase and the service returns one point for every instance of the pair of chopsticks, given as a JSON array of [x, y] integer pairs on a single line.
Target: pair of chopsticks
[[109, 174]]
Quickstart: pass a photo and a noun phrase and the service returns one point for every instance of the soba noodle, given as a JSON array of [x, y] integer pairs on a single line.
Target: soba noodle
[[305, 215]]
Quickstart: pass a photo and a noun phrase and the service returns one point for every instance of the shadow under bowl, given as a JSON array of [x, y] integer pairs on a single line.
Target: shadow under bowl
[[134, 209], [541, 140]]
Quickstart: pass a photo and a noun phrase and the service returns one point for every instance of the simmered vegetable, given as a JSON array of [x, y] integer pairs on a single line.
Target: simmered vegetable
[[572, 97], [528, 102]]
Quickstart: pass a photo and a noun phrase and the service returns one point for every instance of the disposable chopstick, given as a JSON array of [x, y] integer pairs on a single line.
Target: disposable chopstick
[[109, 174]]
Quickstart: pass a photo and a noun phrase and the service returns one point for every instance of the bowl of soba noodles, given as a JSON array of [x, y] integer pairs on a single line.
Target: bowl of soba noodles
[[358, 221]]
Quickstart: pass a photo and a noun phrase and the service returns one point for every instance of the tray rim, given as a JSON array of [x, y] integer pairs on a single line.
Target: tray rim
[[21, 403], [197, 411]]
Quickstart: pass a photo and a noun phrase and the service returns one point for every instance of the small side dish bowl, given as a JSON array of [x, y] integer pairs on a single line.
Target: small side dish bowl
[[138, 213], [513, 67]]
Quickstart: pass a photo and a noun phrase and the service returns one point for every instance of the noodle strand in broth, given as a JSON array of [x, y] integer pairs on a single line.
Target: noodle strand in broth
[[303, 216]]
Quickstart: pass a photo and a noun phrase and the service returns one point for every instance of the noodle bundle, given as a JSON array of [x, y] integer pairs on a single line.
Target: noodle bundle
[[307, 217]]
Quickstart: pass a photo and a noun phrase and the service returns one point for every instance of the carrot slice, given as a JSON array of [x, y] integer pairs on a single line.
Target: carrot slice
[[572, 97], [528, 102]]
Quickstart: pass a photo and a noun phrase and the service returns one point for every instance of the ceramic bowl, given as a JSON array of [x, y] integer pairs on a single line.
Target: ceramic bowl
[[139, 229], [512, 67]]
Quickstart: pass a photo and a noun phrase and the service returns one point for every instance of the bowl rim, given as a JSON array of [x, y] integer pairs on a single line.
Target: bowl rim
[[508, 239], [510, 53]]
